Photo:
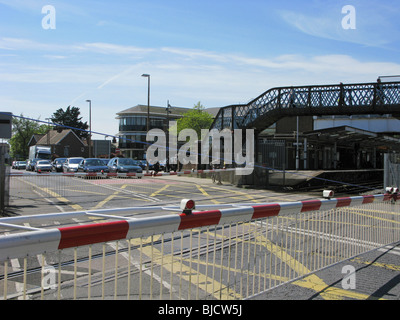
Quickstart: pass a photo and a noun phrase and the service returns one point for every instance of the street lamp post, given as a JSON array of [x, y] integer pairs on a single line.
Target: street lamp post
[[148, 113], [90, 127]]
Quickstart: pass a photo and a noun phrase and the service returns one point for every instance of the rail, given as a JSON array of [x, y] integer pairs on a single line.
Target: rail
[[225, 252]]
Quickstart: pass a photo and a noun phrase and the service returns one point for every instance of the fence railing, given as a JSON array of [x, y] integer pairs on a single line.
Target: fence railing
[[233, 252]]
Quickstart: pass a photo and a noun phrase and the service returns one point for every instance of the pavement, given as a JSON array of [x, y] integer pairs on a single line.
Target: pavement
[[371, 276]]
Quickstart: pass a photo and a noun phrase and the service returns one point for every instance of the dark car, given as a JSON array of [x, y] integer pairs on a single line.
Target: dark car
[[92, 165], [105, 161], [58, 164], [124, 165], [143, 164], [30, 165]]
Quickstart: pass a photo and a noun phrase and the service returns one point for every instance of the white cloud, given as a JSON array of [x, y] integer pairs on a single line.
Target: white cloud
[[375, 23], [113, 79]]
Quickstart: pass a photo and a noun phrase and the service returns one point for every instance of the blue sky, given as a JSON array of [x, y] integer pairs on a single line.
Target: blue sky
[[216, 52]]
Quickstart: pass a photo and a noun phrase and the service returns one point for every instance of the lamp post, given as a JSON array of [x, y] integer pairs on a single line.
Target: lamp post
[[148, 113], [90, 127]]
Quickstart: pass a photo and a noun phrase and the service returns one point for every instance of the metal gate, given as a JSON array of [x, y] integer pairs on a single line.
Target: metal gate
[[392, 170]]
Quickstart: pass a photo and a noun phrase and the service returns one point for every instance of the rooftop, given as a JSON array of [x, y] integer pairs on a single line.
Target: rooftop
[[156, 110]]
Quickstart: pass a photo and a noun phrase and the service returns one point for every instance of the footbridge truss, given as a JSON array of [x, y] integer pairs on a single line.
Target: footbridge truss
[[339, 99]]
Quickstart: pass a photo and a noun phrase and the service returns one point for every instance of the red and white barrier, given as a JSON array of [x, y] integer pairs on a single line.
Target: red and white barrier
[[35, 242], [122, 175]]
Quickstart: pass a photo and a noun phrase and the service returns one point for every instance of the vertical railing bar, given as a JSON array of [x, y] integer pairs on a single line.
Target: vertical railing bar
[[342, 233], [325, 236], [128, 295], [304, 232], [254, 256], [5, 279], [172, 265], [359, 231], [75, 271], [353, 232], [116, 271], [248, 259], [190, 264], [348, 255], [314, 242], [25, 279], [41, 278], [162, 266], [335, 235], [222, 260], [265, 253], [151, 267], [198, 264], [214, 255], [140, 267], [207, 255], [229, 260], [270, 254], [291, 232], [286, 241], [259, 256], [59, 276], [103, 271], [90, 273], [181, 263], [242, 262]]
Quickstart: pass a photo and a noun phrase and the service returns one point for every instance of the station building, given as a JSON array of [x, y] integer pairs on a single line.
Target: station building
[[329, 142]]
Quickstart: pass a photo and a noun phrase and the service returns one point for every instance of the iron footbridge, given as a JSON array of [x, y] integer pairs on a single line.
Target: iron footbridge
[[340, 99]]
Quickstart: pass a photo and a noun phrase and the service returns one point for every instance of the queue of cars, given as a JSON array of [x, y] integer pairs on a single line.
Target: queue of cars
[[77, 164]]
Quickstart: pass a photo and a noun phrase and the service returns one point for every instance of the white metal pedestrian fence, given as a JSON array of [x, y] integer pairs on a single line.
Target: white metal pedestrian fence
[[233, 252]]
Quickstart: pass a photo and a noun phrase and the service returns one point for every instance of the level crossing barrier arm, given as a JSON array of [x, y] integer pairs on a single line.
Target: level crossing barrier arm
[[33, 242]]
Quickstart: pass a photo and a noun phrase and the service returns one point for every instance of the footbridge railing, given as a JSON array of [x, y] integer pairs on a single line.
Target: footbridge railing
[[188, 252], [339, 99]]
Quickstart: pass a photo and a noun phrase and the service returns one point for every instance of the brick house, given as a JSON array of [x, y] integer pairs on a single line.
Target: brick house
[[63, 144]]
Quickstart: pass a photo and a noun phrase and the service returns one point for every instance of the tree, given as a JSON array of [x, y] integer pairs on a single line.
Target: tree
[[22, 132], [195, 119], [71, 119]]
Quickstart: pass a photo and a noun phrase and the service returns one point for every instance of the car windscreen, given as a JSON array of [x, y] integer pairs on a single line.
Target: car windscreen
[[126, 162], [94, 162], [44, 162], [75, 160]]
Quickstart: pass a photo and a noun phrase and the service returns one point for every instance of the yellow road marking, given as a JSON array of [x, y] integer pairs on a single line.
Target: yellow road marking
[[237, 192], [204, 192], [159, 191], [102, 203], [312, 281], [174, 264], [60, 198], [378, 264]]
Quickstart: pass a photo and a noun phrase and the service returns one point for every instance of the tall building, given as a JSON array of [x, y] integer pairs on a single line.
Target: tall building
[[133, 127]]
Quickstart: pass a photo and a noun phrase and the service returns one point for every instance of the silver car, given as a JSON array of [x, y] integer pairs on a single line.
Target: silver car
[[71, 164], [43, 165]]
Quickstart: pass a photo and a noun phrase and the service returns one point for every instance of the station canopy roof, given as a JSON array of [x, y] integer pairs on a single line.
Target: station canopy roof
[[348, 136]]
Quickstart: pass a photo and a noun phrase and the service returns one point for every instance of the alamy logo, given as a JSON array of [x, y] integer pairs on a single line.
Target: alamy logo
[[349, 20], [349, 280], [49, 20], [197, 151], [49, 277]]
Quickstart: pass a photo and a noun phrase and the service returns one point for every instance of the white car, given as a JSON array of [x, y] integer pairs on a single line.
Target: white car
[[71, 164], [43, 165]]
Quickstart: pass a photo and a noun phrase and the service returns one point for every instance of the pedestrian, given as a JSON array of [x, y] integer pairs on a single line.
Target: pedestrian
[[156, 168]]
